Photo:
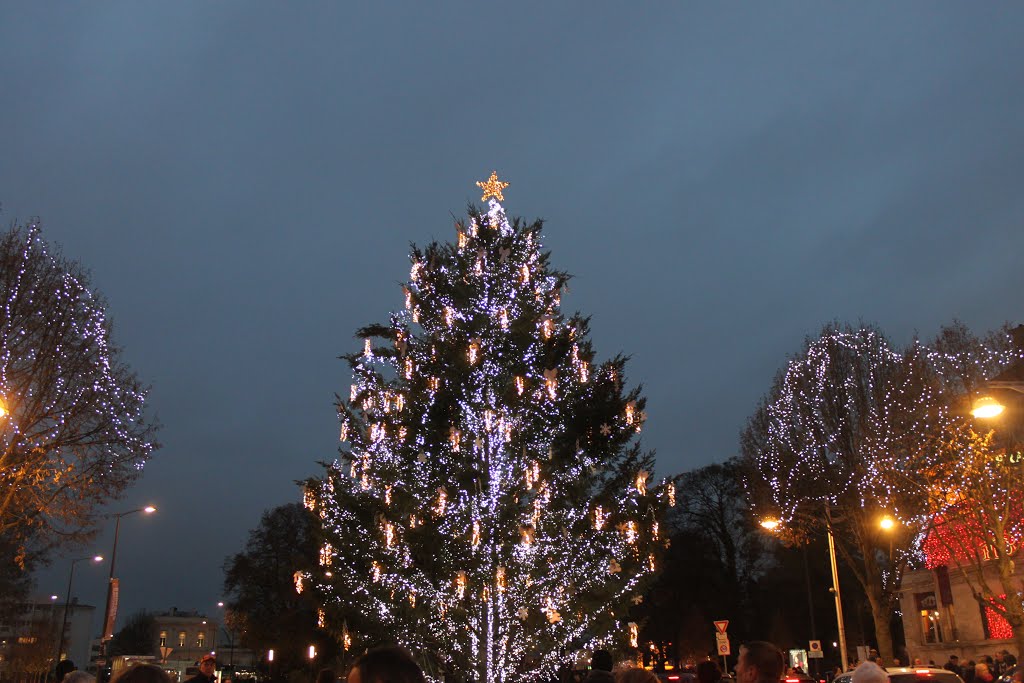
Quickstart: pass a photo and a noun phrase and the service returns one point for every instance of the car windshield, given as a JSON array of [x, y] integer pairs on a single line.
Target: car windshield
[[929, 677]]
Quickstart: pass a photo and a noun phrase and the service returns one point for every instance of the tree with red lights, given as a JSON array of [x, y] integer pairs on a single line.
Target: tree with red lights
[[969, 479]]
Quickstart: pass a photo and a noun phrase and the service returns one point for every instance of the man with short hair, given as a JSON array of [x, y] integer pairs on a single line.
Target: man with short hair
[[207, 670], [759, 662], [954, 665], [601, 668]]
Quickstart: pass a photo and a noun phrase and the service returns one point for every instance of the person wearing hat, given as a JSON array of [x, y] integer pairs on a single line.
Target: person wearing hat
[[207, 670]]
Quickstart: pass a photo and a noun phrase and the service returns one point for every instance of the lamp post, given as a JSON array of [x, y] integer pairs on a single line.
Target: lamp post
[[67, 601], [772, 524], [109, 612], [229, 631]]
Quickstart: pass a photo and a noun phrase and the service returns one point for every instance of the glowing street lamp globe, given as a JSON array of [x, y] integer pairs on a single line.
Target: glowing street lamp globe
[[986, 407]]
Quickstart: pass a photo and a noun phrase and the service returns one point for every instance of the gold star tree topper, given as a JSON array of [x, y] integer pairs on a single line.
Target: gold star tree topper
[[492, 188]]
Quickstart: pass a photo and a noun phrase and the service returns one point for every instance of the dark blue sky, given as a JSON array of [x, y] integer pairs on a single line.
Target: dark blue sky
[[243, 179]]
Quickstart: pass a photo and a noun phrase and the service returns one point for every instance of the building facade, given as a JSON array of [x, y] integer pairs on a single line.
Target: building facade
[[941, 617], [182, 637], [30, 640]]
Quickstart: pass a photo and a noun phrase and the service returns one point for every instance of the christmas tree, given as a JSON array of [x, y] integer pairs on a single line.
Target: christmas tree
[[491, 509]]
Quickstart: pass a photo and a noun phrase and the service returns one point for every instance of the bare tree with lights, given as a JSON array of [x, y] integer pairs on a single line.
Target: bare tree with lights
[[969, 479], [74, 434], [492, 508], [846, 404]]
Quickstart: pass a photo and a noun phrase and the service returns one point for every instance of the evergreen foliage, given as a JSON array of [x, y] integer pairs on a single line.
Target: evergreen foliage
[[491, 510]]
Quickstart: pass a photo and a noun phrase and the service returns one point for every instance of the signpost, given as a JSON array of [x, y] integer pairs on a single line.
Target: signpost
[[722, 643], [814, 651]]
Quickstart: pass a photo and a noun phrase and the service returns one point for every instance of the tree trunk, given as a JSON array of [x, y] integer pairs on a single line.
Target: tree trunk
[[1014, 602], [881, 612]]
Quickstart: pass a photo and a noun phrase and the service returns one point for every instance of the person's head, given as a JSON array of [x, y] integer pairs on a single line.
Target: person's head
[[142, 673], [77, 676], [601, 660], [954, 659], [635, 675], [63, 668], [326, 676], [207, 665], [895, 661], [869, 672], [759, 661], [385, 665], [708, 672], [981, 669], [1000, 654]]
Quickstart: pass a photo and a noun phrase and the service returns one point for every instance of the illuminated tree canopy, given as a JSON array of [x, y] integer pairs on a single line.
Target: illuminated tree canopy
[[847, 406], [75, 434], [967, 481], [491, 507]]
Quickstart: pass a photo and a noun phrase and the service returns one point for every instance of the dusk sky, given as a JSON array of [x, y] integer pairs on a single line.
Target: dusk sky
[[243, 179]]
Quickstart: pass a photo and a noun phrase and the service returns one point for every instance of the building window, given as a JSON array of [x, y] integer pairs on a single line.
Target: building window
[[200, 639], [181, 639], [931, 623], [163, 638]]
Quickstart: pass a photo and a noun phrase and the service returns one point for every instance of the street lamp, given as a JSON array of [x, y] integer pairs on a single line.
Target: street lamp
[[110, 613], [67, 602], [772, 524], [986, 407], [229, 631]]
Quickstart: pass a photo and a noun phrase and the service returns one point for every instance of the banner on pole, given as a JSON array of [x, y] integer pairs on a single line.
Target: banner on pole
[[108, 627]]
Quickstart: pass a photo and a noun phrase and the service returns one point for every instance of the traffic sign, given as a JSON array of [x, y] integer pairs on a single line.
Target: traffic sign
[[723, 644], [721, 626], [814, 651]]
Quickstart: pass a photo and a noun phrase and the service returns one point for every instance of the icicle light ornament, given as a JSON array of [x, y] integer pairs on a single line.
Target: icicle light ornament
[[641, 482], [551, 382], [460, 509]]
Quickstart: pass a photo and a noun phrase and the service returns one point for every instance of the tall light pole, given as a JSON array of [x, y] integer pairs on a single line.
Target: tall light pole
[[843, 655], [229, 631], [110, 611], [67, 602], [772, 524]]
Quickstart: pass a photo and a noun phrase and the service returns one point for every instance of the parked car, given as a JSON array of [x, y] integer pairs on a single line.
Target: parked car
[[677, 676], [798, 677], [910, 674]]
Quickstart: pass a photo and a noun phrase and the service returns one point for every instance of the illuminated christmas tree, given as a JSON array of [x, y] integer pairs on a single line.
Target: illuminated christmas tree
[[491, 508]]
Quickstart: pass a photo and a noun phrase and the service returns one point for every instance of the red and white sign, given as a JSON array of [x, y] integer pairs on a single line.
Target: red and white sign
[[721, 626], [722, 643]]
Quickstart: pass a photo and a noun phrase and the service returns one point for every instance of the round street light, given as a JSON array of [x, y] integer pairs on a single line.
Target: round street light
[[985, 407], [887, 523], [770, 523]]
